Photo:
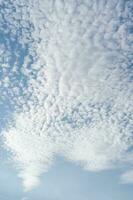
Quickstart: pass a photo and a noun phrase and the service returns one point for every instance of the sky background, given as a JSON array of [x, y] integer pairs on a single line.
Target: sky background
[[66, 181], [66, 93]]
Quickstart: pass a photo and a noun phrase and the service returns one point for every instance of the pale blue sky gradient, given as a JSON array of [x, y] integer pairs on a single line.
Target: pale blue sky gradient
[[65, 181]]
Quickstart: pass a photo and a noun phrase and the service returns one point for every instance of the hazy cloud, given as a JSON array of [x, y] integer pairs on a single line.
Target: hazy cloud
[[127, 177]]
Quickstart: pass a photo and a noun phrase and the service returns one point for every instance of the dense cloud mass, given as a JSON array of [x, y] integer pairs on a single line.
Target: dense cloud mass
[[66, 73]]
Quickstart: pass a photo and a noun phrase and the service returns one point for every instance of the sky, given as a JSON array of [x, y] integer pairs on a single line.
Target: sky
[[66, 93]]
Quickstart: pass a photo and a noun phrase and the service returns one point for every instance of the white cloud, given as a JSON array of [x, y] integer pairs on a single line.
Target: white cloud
[[127, 177], [74, 95]]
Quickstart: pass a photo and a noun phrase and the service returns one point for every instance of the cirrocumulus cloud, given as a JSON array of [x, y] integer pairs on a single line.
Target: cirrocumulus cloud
[[67, 73]]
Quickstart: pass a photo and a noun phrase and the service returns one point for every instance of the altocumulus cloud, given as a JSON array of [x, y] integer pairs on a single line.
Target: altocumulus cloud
[[66, 70]]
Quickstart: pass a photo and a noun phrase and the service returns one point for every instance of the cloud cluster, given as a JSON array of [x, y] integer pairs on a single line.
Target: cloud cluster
[[67, 70]]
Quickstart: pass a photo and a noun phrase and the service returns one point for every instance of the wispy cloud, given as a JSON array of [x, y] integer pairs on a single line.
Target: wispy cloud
[[70, 83], [127, 177]]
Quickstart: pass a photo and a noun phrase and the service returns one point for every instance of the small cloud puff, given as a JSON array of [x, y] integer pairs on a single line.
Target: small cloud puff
[[127, 177]]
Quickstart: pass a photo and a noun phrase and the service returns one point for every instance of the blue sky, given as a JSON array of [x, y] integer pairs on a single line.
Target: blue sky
[[66, 181], [66, 114]]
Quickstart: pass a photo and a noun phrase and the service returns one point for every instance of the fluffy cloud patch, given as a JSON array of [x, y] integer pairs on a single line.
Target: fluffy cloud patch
[[67, 71]]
